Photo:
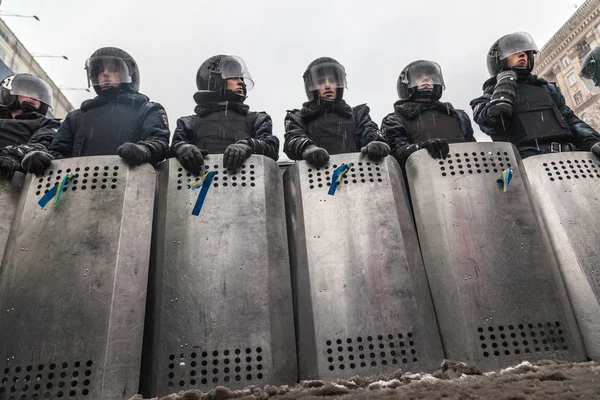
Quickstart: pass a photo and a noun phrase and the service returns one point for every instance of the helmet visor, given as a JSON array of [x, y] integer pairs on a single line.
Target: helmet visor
[[423, 73], [516, 43], [235, 67], [30, 86], [107, 71], [326, 75]]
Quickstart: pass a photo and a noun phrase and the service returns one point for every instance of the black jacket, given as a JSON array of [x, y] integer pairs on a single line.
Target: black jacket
[[260, 139], [24, 133], [296, 132], [398, 135], [584, 136], [150, 128]]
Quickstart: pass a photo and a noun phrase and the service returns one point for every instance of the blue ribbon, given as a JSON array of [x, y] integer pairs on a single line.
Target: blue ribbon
[[337, 177], [55, 193], [206, 182], [505, 179]]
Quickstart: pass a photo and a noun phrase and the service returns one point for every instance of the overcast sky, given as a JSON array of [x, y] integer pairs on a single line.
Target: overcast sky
[[373, 39]]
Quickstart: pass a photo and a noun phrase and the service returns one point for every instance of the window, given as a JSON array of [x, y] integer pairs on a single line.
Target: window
[[578, 98], [572, 79], [566, 61], [584, 48]]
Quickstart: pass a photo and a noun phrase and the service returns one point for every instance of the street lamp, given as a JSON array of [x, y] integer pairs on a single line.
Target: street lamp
[[9, 14], [72, 88], [39, 55]]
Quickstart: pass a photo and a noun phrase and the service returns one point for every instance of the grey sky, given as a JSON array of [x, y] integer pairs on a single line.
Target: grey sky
[[373, 39]]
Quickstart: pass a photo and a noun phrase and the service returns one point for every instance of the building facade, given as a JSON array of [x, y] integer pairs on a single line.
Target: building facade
[[15, 59], [560, 61]]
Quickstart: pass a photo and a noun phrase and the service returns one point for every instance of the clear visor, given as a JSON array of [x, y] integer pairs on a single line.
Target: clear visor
[[30, 86], [590, 85], [107, 71], [424, 73], [516, 43], [588, 69], [235, 67], [327, 75]]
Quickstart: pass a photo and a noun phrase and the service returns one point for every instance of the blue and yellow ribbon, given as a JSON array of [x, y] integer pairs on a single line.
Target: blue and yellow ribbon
[[505, 179], [205, 183], [337, 177], [56, 192]]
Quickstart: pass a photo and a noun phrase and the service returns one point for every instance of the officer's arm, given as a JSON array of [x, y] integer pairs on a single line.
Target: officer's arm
[[184, 134], [64, 138], [155, 131], [296, 139], [39, 141], [585, 136], [465, 126], [367, 131], [263, 141], [480, 108], [395, 133]]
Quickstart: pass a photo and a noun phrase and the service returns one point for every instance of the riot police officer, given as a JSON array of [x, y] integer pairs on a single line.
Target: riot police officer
[[24, 127], [528, 111], [590, 70], [420, 119], [223, 123], [326, 124], [120, 120]]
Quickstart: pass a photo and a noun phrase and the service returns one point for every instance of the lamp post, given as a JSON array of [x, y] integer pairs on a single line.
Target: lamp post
[[39, 55], [9, 14]]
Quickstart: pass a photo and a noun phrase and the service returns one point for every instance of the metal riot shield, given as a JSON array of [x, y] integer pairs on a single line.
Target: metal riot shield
[[566, 187], [73, 282], [362, 304], [221, 293], [494, 281], [10, 192]]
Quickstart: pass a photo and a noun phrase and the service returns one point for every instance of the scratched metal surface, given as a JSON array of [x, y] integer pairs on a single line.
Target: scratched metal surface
[[73, 283], [10, 192], [494, 280], [361, 297], [221, 296]]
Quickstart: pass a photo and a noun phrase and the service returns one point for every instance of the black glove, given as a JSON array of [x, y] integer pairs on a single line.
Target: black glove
[[437, 148], [36, 162], [405, 152], [499, 110], [506, 87], [235, 155], [315, 155], [134, 154], [191, 158], [376, 150], [596, 149], [8, 166]]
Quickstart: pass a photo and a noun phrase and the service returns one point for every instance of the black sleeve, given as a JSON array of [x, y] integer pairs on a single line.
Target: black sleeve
[[263, 141], [184, 133], [585, 136], [155, 131], [480, 106], [296, 139], [394, 130], [367, 131], [62, 143], [39, 141], [465, 125]]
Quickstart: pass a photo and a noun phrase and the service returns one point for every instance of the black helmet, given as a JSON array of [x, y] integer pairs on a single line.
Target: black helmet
[[211, 79], [508, 45], [115, 60], [319, 69], [590, 70], [414, 74], [29, 86]]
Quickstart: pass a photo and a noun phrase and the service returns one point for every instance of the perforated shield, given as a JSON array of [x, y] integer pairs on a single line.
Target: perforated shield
[[494, 281], [361, 298], [10, 192], [222, 300], [566, 188], [73, 283]]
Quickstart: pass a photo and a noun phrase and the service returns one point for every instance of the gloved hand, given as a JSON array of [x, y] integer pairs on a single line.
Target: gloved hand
[[437, 148], [315, 155], [134, 154], [499, 110], [8, 166], [596, 149], [376, 150], [405, 152], [235, 155], [191, 158], [36, 162]]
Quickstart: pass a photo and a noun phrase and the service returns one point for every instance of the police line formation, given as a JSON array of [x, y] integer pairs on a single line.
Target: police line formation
[[128, 271]]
